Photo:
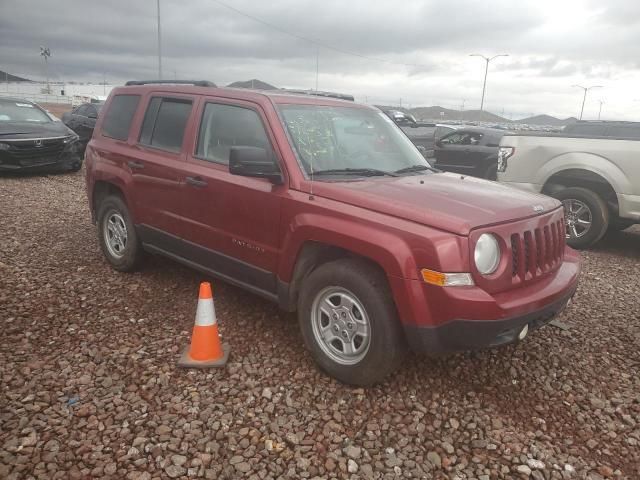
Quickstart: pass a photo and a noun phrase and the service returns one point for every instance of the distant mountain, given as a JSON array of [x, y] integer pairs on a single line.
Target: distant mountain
[[253, 84], [7, 77], [446, 114], [547, 120]]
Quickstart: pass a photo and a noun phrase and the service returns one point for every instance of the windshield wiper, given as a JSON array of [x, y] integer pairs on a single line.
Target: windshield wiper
[[365, 172], [415, 168]]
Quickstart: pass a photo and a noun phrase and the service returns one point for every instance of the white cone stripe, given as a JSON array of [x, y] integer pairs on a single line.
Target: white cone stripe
[[206, 312]]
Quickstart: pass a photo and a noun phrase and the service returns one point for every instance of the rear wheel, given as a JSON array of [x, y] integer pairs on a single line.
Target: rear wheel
[[492, 172], [586, 216], [117, 235], [618, 224], [349, 322]]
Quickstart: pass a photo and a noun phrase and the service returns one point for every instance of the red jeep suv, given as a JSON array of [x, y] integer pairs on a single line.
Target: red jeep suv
[[325, 207]]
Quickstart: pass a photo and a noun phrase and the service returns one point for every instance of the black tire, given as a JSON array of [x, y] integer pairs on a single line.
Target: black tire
[[492, 172], [132, 253], [369, 286], [597, 209], [618, 224]]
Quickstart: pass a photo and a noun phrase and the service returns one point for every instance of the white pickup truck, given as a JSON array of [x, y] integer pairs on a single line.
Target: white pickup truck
[[596, 178]]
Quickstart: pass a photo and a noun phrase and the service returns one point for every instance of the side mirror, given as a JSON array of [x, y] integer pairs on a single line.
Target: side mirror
[[438, 143], [254, 162]]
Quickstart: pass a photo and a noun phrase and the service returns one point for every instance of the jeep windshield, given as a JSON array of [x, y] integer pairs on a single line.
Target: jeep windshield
[[345, 142]]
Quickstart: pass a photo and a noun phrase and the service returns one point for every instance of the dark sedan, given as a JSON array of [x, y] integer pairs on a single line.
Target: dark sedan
[[469, 151], [82, 120], [32, 139]]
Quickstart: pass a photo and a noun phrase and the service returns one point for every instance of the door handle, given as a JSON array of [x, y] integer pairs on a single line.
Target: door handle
[[134, 165], [196, 181]]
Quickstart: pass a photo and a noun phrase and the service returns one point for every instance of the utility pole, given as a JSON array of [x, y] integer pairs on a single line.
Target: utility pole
[[486, 71], [462, 109], [159, 44], [46, 53], [584, 97], [600, 109], [317, 65]]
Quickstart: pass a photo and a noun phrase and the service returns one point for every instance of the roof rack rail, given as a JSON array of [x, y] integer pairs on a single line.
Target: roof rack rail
[[197, 83], [317, 93]]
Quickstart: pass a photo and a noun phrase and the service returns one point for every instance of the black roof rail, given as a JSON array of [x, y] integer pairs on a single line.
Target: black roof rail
[[317, 93], [197, 83]]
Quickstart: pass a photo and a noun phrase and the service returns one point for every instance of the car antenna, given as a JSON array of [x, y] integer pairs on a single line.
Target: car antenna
[[311, 197]]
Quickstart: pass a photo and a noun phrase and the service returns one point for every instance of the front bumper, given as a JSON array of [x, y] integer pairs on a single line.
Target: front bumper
[[64, 160], [460, 334], [449, 319]]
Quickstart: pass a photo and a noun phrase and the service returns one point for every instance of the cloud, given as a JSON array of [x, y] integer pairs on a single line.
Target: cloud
[[413, 49]]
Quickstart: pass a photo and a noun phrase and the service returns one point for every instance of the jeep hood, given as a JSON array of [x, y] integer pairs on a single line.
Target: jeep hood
[[441, 200]]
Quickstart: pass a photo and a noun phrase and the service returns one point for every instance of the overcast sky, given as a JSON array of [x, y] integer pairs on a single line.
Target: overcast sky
[[417, 51]]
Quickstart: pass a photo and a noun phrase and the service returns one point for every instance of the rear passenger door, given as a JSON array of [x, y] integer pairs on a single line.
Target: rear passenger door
[[233, 219], [157, 165]]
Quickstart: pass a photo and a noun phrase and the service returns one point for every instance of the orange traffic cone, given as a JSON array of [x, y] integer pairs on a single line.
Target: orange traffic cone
[[206, 349]]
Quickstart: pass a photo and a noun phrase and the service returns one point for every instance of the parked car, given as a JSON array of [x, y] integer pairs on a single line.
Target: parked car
[[469, 151], [443, 129], [597, 179], [82, 120], [598, 128], [326, 208], [31, 139]]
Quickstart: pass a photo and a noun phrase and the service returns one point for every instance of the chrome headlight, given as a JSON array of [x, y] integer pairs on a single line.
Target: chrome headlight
[[487, 254]]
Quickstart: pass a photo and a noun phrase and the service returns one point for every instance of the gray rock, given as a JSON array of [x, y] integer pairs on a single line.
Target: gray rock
[[353, 452], [435, 459], [524, 469], [175, 471]]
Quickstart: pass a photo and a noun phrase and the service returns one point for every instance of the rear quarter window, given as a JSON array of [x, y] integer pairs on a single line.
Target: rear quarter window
[[119, 116]]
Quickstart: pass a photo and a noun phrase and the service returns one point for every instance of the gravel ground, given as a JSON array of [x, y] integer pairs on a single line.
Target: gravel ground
[[90, 387]]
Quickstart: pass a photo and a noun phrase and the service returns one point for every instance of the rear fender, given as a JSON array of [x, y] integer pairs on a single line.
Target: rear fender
[[587, 161]]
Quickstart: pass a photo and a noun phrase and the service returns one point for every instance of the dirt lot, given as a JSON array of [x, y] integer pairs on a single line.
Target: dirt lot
[[90, 386], [58, 109]]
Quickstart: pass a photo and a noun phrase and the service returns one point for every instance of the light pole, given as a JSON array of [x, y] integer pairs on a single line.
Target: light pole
[[486, 70], [159, 44], [600, 109], [584, 98], [46, 53]]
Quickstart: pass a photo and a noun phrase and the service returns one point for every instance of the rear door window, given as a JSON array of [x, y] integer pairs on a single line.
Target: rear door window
[[119, 116], [165, 122]]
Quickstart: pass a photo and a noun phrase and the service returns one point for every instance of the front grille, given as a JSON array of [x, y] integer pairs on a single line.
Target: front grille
[[536, 252], [28, 150]]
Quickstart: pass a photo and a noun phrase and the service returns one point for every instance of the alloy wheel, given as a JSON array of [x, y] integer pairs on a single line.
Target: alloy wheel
[[341, 325]]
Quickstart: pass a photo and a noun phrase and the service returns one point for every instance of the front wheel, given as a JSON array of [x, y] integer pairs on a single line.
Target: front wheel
[[349, 322], [586, 216]]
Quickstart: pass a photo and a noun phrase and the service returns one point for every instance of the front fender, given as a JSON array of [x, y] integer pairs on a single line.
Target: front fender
[[387, 250]]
